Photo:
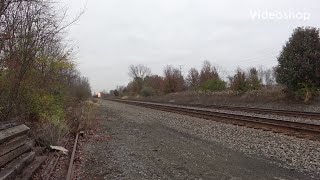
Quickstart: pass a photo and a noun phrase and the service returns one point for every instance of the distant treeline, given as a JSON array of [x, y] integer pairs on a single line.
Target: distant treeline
[[298, 70], [207, 79]]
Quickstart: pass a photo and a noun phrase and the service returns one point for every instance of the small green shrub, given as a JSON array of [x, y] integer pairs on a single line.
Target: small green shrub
[[214, 85], [47, 107]]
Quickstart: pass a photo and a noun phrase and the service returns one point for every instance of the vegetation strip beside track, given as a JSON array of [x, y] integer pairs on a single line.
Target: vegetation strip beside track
[[297, 129]]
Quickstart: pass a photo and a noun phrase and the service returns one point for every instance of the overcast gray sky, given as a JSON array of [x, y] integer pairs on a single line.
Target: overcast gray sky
[[112, 34]]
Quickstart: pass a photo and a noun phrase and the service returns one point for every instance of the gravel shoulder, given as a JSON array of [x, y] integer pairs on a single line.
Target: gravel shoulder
[[142, 143]]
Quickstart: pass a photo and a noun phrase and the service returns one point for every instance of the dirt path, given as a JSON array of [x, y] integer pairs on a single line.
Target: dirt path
[[142, 147]]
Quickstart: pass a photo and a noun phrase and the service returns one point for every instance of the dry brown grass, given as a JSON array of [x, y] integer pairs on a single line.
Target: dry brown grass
[[271, 98], [223, 97], [83, 116], [274, 97], [51, 133]]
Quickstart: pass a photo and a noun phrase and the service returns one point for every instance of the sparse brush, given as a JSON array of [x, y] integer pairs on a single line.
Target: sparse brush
[[50, 133], [83, 116]]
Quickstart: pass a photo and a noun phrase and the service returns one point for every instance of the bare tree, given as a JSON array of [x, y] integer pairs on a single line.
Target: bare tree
[[155, 82], [238, 82], [253, 80], [270, 76], [262, 74], [193, 78], [208, 72], [139, 71], [173, 80]]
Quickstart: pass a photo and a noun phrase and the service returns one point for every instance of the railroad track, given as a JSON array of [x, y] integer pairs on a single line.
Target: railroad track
[[313, 115], [55, 158], [297, 129], [303, 114]]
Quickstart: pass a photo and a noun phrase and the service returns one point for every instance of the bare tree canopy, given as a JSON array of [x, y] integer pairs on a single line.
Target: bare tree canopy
[[139, 71], [193, 78], [173, 79], [208, 72]]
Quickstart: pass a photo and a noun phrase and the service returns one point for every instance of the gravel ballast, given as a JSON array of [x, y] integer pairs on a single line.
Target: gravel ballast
[[290, 156], [264, 115]]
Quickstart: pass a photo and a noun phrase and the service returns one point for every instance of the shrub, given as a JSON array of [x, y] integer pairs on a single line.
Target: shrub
[[173, 80], [193, 79], [51, 133], [214, 85], [45, 107], [81, 89], [253, 81], [83, 116], [306, 93], [299, 62], [208, 72], [239, 81], [116, 93], [147, 91], [155, 82]]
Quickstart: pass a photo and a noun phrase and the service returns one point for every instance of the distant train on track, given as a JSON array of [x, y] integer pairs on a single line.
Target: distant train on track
[[97, 95]]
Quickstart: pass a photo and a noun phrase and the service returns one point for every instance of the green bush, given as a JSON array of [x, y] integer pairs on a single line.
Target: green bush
[[47, 107], [214, 85], [299, 61], [50, 112], [306, 93]]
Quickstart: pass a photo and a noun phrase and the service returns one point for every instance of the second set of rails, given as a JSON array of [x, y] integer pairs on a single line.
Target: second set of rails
[[297, 129]]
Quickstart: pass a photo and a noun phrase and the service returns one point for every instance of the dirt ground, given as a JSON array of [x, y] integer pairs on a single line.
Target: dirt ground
[[132, 145]]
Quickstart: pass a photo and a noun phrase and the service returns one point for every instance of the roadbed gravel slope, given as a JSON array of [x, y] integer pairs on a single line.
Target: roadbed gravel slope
[[151, 144]]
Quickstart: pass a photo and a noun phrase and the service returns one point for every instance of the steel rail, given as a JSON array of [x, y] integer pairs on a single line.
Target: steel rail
[[313, 115], [70, 169], [264, 110], [297, 129]]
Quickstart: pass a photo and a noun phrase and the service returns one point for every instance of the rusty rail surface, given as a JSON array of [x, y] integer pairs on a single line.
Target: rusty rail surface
[[70, 169]]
